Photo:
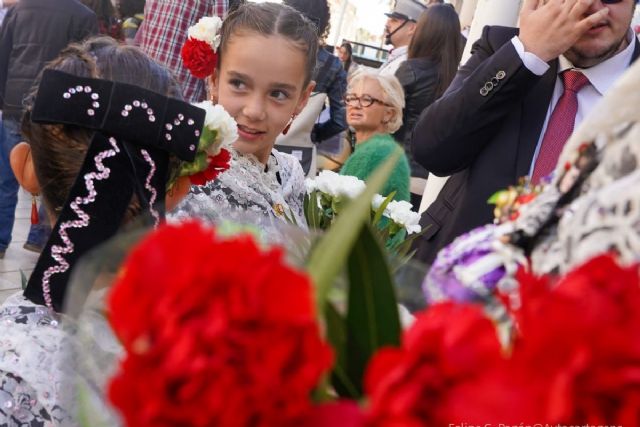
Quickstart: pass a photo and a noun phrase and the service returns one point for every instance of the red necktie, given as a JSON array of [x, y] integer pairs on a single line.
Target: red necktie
[[560, 124]]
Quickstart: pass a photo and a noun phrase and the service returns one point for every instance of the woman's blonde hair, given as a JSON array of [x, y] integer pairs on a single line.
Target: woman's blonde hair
[[393, 95]]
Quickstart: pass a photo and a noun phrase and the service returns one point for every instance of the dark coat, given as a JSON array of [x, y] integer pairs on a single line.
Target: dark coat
[[489, 123], [33, 33], [331, 79], [419, 79]]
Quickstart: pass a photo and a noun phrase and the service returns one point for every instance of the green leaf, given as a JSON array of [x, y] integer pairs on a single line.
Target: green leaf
[[495, 196], [372, 315], [378, 215], [403, 248], [330, 255], [23, 280], [337, 336], [308, 213], [199, 164], [311, 209], [87, 416], [207, 138]]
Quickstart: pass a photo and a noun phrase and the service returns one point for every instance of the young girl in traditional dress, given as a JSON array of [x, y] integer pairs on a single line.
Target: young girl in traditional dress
[[98, 155], [263, 79]]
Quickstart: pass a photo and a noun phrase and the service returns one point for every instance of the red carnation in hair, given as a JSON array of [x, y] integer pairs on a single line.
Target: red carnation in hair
[[210, 342], [217, 165], [199, 57]]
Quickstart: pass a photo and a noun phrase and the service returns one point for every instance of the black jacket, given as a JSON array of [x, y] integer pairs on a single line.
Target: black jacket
[[489, 122], [419, 79], [33, 33]]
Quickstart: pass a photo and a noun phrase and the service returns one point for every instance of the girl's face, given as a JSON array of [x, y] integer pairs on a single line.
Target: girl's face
[[261, 84]]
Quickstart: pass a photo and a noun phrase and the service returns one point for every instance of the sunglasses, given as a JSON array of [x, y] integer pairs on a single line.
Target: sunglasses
[[363, 101], [611, 1]]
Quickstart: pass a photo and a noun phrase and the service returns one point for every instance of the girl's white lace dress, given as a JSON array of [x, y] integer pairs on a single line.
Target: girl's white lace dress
[[250, 192]]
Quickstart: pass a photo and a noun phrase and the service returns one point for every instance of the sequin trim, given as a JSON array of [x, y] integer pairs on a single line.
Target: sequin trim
[[57, 252], [84, 89], [149, 187], [138, 104], [176, 122]]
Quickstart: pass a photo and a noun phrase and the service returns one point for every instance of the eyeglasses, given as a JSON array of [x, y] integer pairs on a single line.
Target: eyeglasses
[[611, 1], [363, 101]]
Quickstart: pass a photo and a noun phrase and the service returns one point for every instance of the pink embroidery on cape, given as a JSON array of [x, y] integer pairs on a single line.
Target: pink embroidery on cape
[[149, 187], [57, 252]]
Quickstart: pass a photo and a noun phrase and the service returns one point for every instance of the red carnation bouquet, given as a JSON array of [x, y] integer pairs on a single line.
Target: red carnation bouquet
[[448, 346], [575, 359], [210, 341], [199, 53]]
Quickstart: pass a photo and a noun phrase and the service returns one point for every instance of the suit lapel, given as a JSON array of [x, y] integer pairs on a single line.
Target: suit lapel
[[534, 111], [636, 50]]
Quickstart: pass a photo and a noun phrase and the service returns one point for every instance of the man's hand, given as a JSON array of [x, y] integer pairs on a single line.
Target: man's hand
[[548, 28], [8, 3]]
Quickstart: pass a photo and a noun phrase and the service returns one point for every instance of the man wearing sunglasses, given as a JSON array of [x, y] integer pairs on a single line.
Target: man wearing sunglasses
[[513, 105]]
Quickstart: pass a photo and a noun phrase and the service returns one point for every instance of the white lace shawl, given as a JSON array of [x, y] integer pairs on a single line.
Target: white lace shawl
[[45, 363], [31, 373], [249, 190], [606, 215]]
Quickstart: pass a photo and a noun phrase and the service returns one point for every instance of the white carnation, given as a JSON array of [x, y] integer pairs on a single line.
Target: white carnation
[[310, 185], [207, 30], [377, 201], [400, 212], [336, 185], [218, 119]]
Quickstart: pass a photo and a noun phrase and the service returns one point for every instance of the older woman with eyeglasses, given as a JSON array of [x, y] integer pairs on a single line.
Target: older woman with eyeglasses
[[374, 110]]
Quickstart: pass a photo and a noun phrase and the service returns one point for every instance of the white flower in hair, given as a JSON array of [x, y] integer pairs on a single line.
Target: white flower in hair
[[219, 122], [207, 30]]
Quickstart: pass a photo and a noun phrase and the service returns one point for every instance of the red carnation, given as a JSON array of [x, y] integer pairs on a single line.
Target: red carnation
[[199, 57], [448, 345], [584, 336], [210, 341], [343, 413], [576, 360], [217, 165]]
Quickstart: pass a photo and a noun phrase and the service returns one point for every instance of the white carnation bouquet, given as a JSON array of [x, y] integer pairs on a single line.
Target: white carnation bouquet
[[329, 193]]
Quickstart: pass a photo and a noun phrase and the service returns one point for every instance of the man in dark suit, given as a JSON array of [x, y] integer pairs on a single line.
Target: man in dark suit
[[512, 106]]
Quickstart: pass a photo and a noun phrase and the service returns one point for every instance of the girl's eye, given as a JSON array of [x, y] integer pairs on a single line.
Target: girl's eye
[[237, 84], [280, 95]]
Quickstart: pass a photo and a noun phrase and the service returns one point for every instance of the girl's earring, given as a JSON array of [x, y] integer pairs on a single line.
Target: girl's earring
[[34, 210], [211, 89], [288, 126]]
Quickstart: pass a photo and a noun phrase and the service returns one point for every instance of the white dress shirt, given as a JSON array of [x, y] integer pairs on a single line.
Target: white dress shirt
[[396, 57], [3, 11], [601, 77]]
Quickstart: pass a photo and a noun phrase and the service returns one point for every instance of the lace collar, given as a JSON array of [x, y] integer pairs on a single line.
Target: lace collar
[[269, 174]]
